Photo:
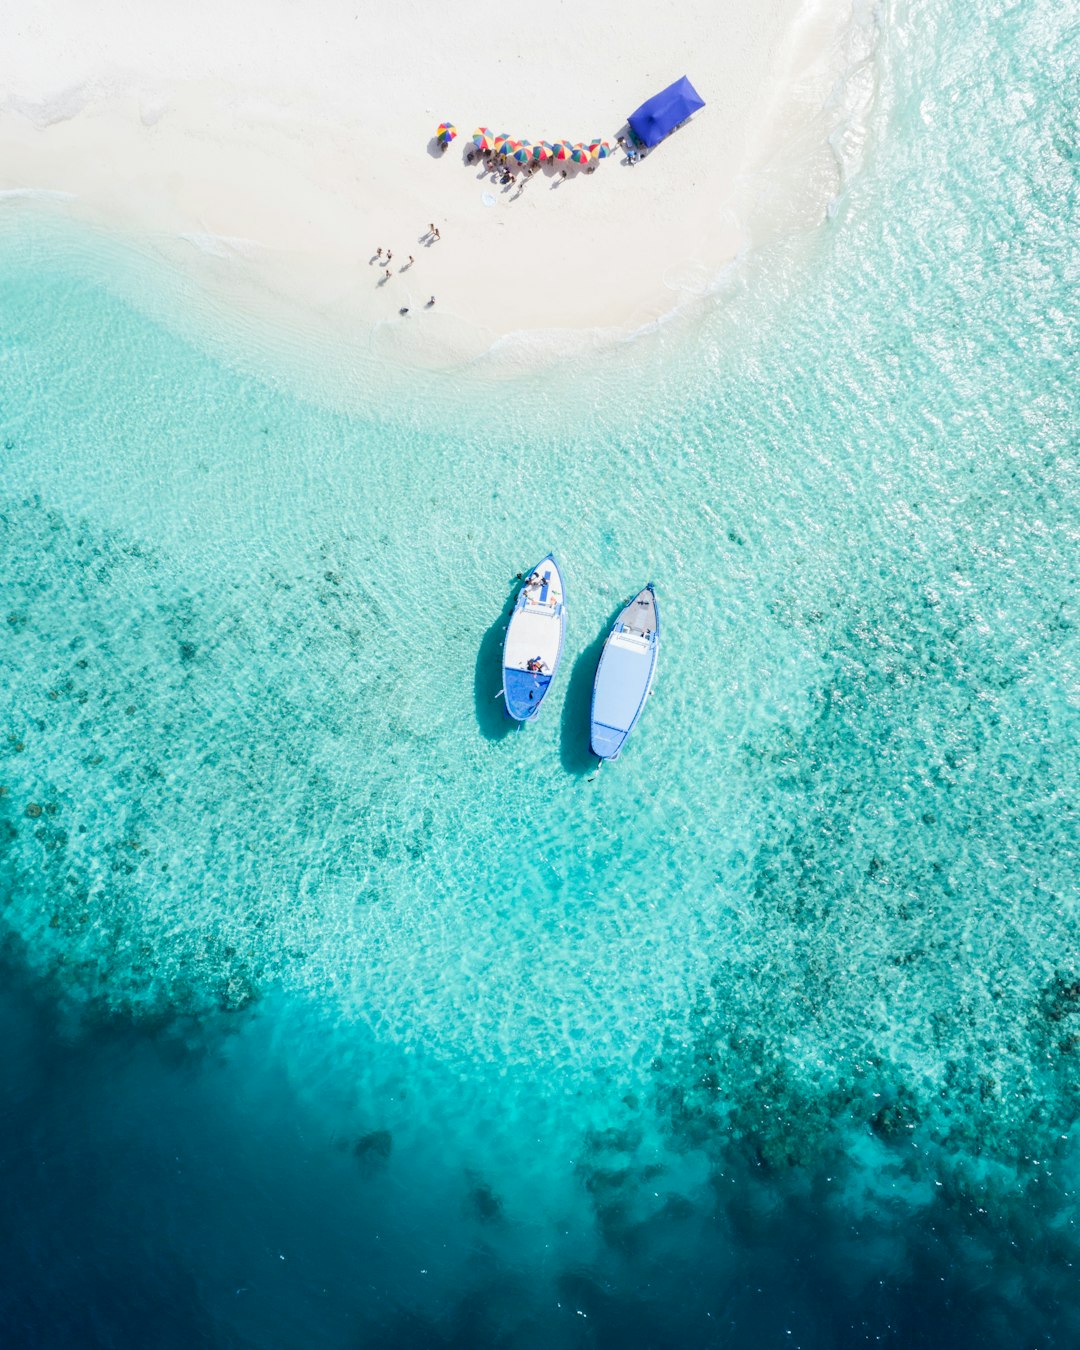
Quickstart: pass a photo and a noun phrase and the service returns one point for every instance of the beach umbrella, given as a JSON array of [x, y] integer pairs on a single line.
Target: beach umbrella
[[563, 150], [499, 144], [445, 133], [580, 154], [523, 152], [542, 151], [599, 149], [482, 138]]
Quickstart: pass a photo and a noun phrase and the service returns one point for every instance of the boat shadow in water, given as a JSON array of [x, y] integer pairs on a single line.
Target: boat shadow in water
[[491, 715], [576, 756]]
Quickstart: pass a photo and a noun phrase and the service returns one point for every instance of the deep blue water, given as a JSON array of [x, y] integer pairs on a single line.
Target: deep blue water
[[333, 1014]]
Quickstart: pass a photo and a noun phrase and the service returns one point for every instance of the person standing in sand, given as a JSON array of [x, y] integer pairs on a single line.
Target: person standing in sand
[[388, 274]]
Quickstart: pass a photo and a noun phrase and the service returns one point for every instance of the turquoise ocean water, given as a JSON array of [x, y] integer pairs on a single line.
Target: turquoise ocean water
[[338, 1013]]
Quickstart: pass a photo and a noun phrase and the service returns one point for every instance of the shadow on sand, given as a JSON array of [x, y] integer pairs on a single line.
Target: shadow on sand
[[574, 751], [490, 710]]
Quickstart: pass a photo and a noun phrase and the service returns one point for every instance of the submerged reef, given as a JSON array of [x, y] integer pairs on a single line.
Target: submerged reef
[[171, 786]]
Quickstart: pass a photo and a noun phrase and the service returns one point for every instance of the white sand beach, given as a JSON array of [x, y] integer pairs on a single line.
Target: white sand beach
[[272, 148]]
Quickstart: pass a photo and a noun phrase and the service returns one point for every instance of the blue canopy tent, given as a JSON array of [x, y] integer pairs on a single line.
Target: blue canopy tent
[[661, 114]]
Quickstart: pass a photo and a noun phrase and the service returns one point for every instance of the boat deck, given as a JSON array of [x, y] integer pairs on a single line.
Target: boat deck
[[533, 633], [639, 616]]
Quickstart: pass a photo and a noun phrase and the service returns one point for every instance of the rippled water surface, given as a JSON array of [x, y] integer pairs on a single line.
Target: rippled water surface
[[338, 1013]]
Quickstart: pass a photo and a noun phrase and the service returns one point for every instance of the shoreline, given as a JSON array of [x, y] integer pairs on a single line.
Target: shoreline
[[275, 204]]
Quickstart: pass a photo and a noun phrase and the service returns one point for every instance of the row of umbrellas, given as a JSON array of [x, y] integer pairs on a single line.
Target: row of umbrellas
[[527, 152]]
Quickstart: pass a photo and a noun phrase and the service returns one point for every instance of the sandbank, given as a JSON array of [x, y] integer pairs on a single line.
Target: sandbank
[[270, 149]]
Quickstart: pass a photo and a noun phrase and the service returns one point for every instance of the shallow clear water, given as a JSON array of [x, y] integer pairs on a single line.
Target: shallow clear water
[[339, 1013]]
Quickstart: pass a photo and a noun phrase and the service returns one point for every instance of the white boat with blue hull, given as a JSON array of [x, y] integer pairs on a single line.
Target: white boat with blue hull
[[625, 674], [534, 640]]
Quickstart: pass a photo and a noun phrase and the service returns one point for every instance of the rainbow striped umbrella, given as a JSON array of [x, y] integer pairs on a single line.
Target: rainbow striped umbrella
[[445, 133], [563, 150], [499, 144], [542, 151], [523, 152], [599, 149], [580, 154], [483, 139]]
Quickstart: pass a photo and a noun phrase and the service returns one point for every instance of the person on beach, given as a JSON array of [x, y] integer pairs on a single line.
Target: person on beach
[[431, 302], [438, 235], [378, 252], [431, 230], [388, 274], [410, 262], [389, 256]]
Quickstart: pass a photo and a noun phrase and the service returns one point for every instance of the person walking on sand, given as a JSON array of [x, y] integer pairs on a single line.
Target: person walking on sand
[[431, 302], [378, 252], [389, 256], [431, 230], [410, 262], [438, 235], [388, 274]]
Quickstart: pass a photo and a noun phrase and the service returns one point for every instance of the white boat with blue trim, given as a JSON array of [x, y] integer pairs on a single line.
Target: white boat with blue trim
[[534, 640], [624, 677]]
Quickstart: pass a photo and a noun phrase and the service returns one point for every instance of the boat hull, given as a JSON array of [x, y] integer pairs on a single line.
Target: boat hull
[[625, 674], [533, 647]]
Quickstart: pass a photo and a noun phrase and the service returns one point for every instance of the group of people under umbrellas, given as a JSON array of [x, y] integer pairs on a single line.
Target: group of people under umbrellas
[[505, 154]]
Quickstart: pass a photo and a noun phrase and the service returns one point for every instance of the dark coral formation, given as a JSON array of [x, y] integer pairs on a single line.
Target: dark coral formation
[[372, 1150]]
